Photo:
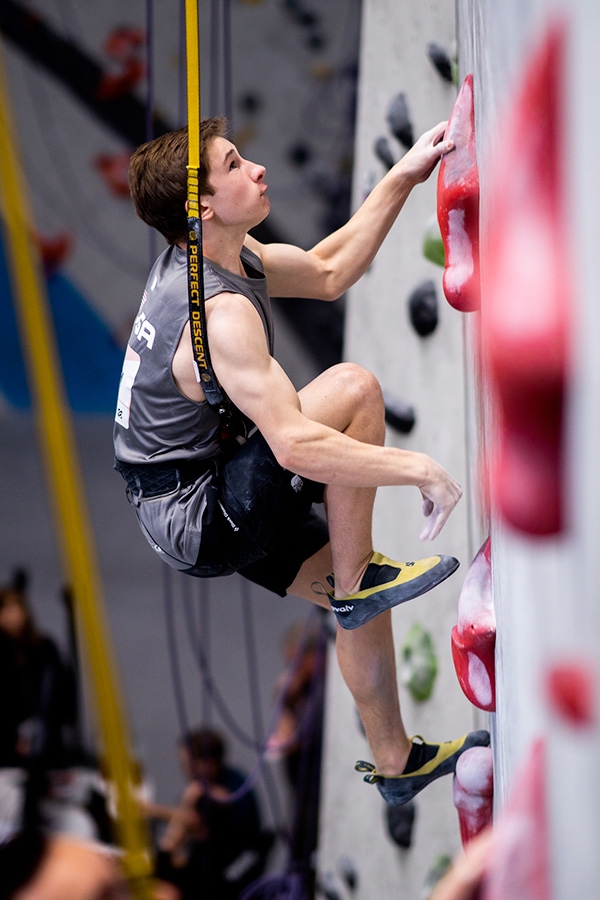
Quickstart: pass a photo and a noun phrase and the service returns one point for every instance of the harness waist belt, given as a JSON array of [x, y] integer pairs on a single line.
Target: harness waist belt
[[157, 479]]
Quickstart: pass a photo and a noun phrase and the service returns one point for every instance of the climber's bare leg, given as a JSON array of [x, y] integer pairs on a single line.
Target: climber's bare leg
[[349, 399]]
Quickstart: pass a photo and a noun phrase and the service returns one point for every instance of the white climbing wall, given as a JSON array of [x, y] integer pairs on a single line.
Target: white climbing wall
[[428, 374], [546, 589]]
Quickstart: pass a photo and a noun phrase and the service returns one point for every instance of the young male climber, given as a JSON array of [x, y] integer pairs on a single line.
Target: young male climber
[[210, 510]]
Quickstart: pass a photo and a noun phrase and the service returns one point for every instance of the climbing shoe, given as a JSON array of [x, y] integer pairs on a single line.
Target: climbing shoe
[[386, 584], [433, 760]]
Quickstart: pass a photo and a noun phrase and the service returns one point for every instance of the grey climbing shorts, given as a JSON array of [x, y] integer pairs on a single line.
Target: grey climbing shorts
[[243, 513]]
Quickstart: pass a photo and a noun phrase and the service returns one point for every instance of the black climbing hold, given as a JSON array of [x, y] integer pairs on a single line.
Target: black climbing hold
[[328, 886], [398, 414], [440, 58], [399, 120], [348, 872], [250, 102], [300, 154], [423, 308], [400, 821], [316, 41], [383, 152], [307, 18]]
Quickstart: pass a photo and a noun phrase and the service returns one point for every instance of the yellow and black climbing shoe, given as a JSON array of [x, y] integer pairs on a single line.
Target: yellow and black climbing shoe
[[425, 763], [387, 583]]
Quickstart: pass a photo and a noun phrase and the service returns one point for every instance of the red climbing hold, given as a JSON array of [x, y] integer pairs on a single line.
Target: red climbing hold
[[123, 45], [571, 690], [458, 205], [473, 791], [526, 309], [54, 250], [518, 866], [114, 170], [474, 635]]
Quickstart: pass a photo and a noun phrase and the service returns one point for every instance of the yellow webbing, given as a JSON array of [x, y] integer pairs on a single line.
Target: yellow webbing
[[66, 488], [192, 45]]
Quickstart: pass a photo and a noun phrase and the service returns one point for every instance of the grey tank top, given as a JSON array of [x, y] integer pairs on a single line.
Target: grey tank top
[[154, 422]]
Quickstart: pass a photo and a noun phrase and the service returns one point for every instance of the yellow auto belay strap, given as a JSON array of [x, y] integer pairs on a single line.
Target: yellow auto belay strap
[[205, 373]]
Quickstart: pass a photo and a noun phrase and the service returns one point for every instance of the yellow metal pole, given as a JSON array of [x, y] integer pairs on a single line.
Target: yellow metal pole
[[66, 488]]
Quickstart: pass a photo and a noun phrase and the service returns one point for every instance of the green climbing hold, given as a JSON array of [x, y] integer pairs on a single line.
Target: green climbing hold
[[418, 668], [433, 247], [455, 70], [436, 872]]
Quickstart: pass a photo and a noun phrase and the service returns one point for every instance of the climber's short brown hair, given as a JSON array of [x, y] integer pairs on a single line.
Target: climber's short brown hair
[[158, 177]]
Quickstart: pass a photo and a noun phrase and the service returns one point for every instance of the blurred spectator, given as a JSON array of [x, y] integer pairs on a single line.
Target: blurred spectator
[[297, 737], [214, 844], [304, 664], [38, 866], [38, 698]]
